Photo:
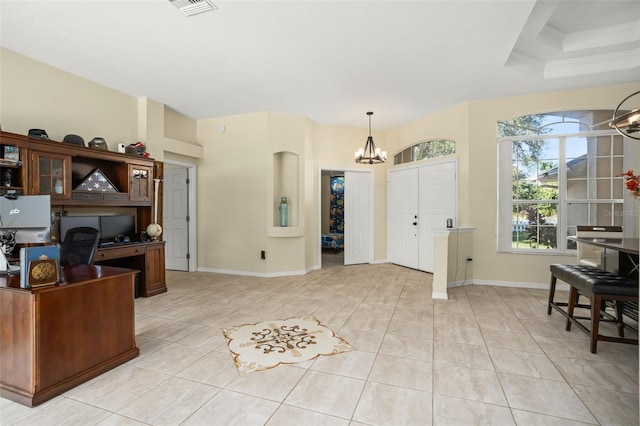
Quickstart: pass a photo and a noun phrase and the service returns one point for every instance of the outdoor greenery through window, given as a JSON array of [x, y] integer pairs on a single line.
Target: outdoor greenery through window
[[424, 150], [557, 171]]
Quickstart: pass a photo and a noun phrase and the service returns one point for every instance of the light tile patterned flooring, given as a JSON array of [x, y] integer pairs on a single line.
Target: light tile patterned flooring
[[488, 355]]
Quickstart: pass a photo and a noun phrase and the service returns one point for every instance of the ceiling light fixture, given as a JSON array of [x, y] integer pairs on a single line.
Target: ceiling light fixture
[[627, 123], [193, 7], [370, 154]]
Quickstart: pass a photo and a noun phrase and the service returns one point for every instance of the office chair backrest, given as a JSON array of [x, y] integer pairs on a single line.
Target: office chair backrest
[[79, 245], [592, 255]]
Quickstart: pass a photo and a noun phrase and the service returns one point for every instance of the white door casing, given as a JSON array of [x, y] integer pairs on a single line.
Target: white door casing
[[403, 211], [358, 217], [176, 210]]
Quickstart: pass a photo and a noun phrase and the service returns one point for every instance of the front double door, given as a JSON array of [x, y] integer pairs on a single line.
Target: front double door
[[421, 199]]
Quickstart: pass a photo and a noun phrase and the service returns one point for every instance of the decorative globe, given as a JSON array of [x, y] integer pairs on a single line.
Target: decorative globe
[[154, 230]]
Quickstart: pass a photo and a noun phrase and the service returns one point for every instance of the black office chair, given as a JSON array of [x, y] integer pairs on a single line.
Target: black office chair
[[79, 245]]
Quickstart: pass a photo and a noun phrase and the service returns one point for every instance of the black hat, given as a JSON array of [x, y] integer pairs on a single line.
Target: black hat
[[131, 149], [74, 140], [38, 133]]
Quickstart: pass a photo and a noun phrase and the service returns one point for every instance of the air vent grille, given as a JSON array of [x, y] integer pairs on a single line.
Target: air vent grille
[[193, 7]]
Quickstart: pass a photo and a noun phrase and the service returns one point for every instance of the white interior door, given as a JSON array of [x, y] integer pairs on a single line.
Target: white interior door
[[358, 217], [403, 218], [176, 212], [438, 202]]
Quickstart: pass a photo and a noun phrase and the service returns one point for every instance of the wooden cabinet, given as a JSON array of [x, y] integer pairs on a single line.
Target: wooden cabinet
[[140, 183], [50, 174], [58, 169], [155, 280], [11, 171], [147, 257]]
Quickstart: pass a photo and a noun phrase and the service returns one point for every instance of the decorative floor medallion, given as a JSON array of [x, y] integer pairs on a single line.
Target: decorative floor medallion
[[268, 344]]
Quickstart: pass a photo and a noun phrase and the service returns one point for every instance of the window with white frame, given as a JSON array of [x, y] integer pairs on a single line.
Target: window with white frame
[[557, 171]]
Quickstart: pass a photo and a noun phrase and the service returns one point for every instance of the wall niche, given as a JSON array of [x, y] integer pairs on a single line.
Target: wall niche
[[286, 177]]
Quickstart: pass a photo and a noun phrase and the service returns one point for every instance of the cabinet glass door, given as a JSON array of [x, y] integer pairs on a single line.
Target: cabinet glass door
[[10, 169], [51, 175], [140, 183]]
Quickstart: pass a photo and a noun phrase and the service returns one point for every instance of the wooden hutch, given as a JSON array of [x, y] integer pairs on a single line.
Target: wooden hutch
[[30, 166]]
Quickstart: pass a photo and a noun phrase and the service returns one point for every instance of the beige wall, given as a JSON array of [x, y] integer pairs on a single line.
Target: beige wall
[[504, 267], [473, 126], [452, 124], [232, 193], [179, 127], [334, 149], [235, 194], [35, 95]]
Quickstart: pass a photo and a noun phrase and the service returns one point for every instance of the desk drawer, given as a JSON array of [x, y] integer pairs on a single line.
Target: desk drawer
[[116, 196], [118, 252], [90, 196]]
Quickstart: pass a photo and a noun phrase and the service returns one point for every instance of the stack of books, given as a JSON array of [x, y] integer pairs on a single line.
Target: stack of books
[[39, 266]]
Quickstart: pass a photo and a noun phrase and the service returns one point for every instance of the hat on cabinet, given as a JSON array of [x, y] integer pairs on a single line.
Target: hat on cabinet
[[38, 133], [74, 140], [98, 143]]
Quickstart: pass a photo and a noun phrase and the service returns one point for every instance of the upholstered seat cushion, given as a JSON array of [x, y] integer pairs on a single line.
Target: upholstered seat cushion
[[589, 280]]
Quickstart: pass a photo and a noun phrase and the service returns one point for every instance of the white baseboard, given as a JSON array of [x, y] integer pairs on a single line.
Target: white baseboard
[[517, 284], [253, 274], [266, 274], [520, 284], [312, 268]]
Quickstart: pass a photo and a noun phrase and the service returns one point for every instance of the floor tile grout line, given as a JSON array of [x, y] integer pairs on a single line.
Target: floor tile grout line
[[566, 381], [377, 293]]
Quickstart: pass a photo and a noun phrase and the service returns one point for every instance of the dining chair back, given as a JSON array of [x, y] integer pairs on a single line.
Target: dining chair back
[[590, 255]]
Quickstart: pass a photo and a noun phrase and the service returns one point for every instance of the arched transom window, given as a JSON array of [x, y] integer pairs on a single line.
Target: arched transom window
[[426, 149]]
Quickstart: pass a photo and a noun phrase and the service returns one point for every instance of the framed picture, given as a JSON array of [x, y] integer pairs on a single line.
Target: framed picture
[[11, 153]]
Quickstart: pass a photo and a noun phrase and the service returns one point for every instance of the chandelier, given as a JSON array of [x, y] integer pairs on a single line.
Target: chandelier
[[627, 123], [370, 154]]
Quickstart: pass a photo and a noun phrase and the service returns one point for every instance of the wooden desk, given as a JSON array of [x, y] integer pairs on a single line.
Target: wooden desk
[[147, 257], [623, 260], [57, 337]]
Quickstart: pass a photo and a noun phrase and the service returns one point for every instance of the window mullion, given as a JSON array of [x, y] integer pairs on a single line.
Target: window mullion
[[562, 194]]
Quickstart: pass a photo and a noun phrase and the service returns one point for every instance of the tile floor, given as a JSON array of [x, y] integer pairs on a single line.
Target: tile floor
[[488, 355]]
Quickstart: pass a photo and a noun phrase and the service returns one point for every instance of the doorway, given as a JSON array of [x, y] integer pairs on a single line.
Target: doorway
[[346, 217], [179, 216], [421, 199]]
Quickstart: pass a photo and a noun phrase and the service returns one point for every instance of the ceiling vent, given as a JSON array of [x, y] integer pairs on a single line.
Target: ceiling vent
[[193, 7]]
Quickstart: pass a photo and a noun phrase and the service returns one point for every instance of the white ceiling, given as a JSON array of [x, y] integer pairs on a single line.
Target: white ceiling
[[331, 61]]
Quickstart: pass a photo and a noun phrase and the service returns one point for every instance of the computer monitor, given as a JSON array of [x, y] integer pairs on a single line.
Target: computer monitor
[[112, 227], [29, 216], [70, 222], [24, 219]]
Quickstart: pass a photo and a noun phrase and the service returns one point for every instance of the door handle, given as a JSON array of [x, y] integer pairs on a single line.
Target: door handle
[[415, 223]]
